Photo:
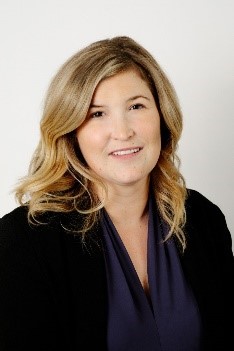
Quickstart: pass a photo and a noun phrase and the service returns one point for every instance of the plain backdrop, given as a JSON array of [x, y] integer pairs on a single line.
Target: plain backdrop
[[191, 40]]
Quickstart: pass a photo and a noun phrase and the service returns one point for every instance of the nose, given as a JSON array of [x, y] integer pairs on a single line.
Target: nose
[[121, 128]]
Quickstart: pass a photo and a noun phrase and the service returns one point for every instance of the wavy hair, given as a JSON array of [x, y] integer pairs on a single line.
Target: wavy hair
[[58, 179]]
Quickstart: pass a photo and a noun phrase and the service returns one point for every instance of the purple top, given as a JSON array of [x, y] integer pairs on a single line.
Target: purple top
[[170, 320]]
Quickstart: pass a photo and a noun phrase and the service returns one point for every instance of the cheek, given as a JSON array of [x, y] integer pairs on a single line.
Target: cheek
[[90, 145], [152, 133], [91, 136], [151, 126]]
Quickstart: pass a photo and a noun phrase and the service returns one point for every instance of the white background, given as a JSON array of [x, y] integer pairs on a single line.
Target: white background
[[192, 41]]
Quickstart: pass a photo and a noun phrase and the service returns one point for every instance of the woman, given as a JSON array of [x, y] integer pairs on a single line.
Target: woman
[[108, 247]]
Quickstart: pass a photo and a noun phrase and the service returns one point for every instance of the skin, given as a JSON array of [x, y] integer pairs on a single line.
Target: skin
[[120, 139], [121, 142]]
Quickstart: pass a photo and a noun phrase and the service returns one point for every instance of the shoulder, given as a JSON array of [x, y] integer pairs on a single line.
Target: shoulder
[[205, 219], [195, 198], [19, 214], [11, 223], [17, 219], [15, 229], [197, 204]]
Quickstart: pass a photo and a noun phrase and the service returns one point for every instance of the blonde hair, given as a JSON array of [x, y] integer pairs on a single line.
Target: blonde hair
[[58, 178]]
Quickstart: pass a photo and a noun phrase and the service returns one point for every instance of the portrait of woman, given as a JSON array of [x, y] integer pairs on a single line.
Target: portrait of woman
[[108, 248]]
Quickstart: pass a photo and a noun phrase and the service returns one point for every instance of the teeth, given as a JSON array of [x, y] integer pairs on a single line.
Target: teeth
[[126, 152]]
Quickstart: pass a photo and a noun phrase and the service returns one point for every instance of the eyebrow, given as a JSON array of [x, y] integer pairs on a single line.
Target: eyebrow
[[137, 97], [130, 99]]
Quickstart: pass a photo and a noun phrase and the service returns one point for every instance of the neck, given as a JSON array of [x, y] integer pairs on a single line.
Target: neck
[[128, 203]]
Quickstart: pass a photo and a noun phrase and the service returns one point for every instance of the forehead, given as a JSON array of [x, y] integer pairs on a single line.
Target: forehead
[[129, 82]]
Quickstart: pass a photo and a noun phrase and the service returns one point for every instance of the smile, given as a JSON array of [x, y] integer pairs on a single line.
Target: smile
[[126, 152]]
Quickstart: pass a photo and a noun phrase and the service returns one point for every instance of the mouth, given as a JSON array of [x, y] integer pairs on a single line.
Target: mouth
[[124, 152]]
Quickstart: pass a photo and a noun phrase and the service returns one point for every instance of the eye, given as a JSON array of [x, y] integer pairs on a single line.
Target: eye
[[136, 107], [96, 114]]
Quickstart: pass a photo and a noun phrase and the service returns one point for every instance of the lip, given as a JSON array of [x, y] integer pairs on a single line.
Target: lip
[[113, 153]]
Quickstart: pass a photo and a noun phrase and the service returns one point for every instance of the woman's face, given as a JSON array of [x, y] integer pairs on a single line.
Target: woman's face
[[120, 139]]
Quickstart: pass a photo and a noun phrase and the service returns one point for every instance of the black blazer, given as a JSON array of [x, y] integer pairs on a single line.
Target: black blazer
[[53, 288]]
